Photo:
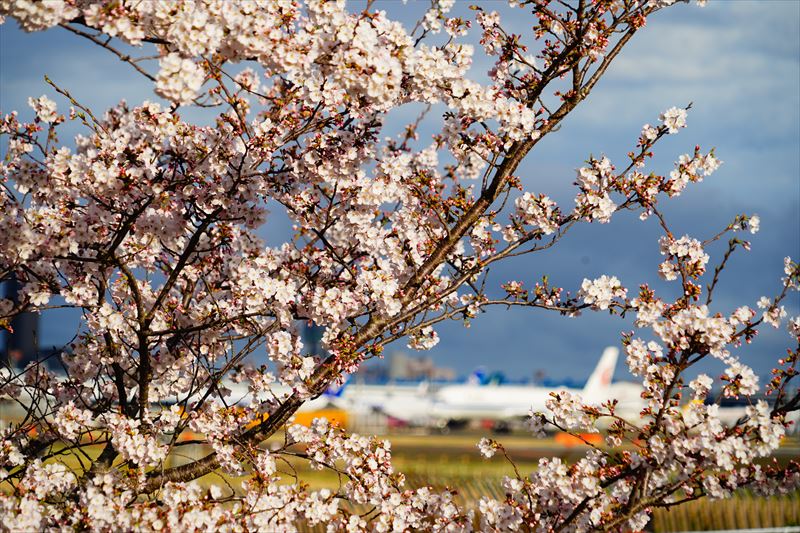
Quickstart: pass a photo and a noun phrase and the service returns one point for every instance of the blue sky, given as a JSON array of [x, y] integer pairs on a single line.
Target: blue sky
[[737, 61]]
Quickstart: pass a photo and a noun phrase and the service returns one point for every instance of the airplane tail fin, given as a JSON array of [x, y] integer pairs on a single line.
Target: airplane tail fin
[[601, 377], [477, 377]]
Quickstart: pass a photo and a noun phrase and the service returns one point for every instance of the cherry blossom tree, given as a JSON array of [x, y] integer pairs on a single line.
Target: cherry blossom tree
[[149, 228]]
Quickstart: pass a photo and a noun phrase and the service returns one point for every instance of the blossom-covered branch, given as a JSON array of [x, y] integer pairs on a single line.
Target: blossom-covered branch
[[151, 227]]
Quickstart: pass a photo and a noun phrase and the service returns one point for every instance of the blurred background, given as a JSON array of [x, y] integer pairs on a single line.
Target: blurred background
[[738, 63]]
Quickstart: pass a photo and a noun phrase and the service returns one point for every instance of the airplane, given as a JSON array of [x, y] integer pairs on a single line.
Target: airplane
[[456, 405]]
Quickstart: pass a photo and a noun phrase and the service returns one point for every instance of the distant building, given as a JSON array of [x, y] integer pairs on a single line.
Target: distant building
[[312, 339], [404, 367], [21, 344], [373, 373]]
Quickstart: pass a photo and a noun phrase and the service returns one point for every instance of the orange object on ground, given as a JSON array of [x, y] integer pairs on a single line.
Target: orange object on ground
[[333, 415], [568, 440]]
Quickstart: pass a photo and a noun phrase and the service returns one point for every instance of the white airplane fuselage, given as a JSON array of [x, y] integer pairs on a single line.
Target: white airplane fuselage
[[465, 402], [497, 402]]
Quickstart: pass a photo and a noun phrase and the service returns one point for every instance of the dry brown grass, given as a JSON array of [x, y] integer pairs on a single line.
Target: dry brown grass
[[743, 511]]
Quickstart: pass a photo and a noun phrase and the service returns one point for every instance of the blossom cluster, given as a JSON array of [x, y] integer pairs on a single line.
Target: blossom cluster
[[685, 256], [538, 211], [600, 293], [595, 182]]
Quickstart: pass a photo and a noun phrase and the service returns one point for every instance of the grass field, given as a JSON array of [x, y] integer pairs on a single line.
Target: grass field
[[452, 461], [433, 457]]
